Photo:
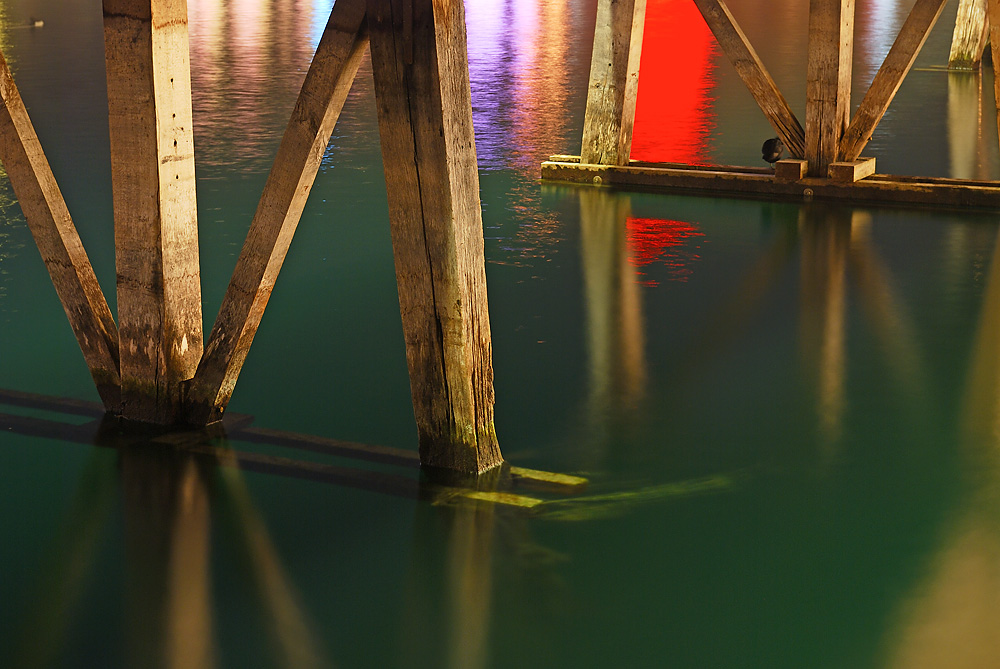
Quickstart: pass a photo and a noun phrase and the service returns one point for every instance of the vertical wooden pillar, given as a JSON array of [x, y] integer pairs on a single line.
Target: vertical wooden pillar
[[58, 242], [614, 81], [993, 16], [420, 65], [968, 41], [828, 89], [153, 184]]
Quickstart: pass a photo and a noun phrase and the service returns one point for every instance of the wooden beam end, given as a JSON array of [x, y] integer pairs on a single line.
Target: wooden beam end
[[851, 171]]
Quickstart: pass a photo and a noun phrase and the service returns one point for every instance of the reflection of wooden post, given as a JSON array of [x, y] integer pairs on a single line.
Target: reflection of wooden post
[[316, 112], [425, 121], [614, 81], [58, 242], [153, 184], [965, 97], [828, 89], [167, 534], [968, 41]]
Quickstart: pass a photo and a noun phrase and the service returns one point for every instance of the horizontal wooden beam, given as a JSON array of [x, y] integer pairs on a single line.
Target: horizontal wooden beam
[[890, 76], [751, 70], [761, 184], [320, 101], [850, 171], [58, 242]]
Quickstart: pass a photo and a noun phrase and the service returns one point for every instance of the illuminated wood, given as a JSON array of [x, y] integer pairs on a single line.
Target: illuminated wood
[[153, 186], [968, 41], [755, 76], [887, 80], [851, 171], [58, 242], [828, 85], [790, 169], [994, 22], [614, 82], [420, 65], [316, 111]]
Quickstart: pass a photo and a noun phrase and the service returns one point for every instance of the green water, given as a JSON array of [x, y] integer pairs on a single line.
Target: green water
[[787, 413]]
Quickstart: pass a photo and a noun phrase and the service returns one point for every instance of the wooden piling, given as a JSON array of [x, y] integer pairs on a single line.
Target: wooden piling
[[993, 14], [614, 81], [889, 77], [755, 76], [828, 87], [968, 41], [316, 111], [420, 65], [58, 242], [153, 186]]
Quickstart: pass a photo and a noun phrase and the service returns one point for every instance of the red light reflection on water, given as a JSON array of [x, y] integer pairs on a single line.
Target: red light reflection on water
[[653, 240], [672, 116]]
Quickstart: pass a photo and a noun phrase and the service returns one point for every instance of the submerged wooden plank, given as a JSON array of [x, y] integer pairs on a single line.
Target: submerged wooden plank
[[828, 85], [755, 76], [890, 76], [58, 242], [614, 82], [420, 66], [876, 189], [153, 188], [968, 41], [316, 111]]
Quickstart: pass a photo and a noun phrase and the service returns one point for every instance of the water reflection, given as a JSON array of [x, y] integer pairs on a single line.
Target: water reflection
[[953, 613], [967, 152], [614, 321], [170, 490], [673, 116]]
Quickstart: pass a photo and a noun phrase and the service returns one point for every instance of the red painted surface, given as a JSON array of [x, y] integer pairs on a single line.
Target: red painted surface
[[673, 108]]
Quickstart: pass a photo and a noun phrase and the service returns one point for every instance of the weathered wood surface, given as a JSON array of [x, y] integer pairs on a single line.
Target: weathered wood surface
[[748, 183], [614, 82], [326, 86], [791, 169], [968, 41], [58, 242], [755, 76], [890, 76], [851, 171], [993, 14], [828, 85], [422, 92], [153, 186]]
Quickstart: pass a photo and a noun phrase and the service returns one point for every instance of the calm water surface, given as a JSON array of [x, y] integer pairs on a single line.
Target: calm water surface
[[788, 414]]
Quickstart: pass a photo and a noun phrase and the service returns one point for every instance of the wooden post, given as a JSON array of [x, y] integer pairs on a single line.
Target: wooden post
[[614, 81], [828, 88], [58, 242], [420, 64], [968, 42], [890, 76], [317, 109], [993, 14], [153, 185], [751, 70]]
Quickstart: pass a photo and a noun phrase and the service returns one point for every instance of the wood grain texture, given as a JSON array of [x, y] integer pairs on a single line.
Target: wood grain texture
[[968, 41], [993, 14], [760, 183], [614, 82], [890, 76], [755, 76], [58, 242], [153, 186], [420, 65], [320, 101], [828, 85]]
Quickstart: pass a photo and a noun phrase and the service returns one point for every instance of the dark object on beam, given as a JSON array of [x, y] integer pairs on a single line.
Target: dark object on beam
[[772, 150]]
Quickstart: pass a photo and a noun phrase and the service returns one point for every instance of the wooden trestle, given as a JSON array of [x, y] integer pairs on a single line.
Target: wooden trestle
[[153, 368], [826, 161]]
